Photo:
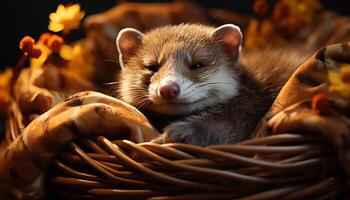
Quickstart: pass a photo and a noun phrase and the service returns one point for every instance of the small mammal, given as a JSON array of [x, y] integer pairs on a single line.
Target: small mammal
[[197, 79]]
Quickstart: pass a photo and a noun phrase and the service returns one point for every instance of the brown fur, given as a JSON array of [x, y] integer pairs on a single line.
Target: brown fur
[[261, 72], [174, 48]]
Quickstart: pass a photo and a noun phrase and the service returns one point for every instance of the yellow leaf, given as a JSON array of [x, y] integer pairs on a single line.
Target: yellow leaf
[[66, 18]]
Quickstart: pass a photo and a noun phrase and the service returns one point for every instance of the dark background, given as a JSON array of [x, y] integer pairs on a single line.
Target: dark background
[[31, 17]]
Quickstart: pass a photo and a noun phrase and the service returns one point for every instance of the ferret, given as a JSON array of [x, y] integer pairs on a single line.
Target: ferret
[[197, 85]]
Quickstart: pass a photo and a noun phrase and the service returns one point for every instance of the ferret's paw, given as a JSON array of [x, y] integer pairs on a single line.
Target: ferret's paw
[[189, 133]]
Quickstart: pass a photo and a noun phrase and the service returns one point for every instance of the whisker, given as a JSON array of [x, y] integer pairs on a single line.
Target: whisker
[[202, 85], [212, 82], [141, 97], [192, 92], [142, 92], [142, 103], [110, 60], [111, 83], [188, 88]]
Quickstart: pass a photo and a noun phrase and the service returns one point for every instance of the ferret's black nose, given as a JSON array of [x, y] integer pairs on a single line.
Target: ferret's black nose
[[169, 91]]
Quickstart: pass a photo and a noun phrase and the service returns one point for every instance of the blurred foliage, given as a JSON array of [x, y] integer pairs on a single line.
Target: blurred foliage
[[286, 18]]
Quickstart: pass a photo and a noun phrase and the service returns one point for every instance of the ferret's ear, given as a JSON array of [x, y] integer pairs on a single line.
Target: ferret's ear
[[231, 37], [128, 41]]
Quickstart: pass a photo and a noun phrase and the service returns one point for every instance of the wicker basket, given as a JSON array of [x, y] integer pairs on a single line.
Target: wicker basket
[[284, 166]]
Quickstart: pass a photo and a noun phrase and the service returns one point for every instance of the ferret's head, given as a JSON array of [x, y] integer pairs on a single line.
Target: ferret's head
[[177, 70]]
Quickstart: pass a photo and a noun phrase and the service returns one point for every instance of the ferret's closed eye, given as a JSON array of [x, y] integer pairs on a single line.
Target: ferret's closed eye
[[195, 66], [153, 67]]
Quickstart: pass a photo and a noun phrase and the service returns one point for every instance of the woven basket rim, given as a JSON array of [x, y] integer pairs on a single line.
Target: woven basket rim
[[287, 165]]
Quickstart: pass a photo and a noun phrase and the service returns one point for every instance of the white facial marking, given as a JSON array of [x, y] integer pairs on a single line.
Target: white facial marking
[[226, 84], [219, 86], [221, 81]]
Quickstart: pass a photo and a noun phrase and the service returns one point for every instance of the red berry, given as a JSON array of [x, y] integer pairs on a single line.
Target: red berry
[[261, 7], [44, 38], [26, 44], [321, 104], [35, 53], [55, 43], [281, 11]]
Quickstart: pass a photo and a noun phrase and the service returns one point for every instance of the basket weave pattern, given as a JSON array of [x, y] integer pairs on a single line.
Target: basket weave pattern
[[284, 165]]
